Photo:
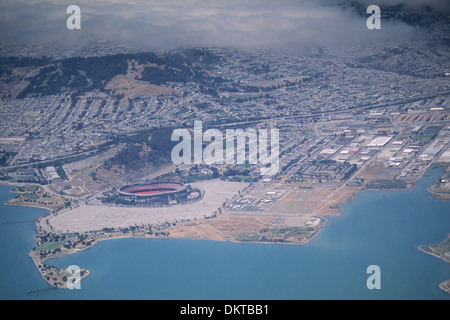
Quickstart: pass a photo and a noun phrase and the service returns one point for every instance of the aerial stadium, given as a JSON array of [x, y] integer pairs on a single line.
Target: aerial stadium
[[157, 193]]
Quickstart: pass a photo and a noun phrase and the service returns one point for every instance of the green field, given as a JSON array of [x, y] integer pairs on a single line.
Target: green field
[[30, 196], [55, 245], [28, 189]]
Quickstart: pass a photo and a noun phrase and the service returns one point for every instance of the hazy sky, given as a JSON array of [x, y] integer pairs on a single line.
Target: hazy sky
[[160, 24]]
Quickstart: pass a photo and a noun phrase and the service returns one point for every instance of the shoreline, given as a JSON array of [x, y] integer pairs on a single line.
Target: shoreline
[[40, 263], [429, 249], [445, 286], [97, 237], [40, 266], [27, 206], [15, 201]]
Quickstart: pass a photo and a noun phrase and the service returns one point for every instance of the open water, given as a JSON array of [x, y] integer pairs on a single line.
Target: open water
[[382, 228]]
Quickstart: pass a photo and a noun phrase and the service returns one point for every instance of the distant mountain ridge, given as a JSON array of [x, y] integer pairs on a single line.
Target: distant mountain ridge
[[424, 17]]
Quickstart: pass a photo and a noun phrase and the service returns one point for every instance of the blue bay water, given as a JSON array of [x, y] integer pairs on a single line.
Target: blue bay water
[[17, 270], [376, 228]]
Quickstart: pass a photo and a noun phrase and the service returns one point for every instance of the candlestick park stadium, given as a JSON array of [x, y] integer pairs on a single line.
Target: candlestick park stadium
[[156, 194]]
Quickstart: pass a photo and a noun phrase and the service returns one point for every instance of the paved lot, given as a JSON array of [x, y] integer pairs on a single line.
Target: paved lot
[[90, 218]]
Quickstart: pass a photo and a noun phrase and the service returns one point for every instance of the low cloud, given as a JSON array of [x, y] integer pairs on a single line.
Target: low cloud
[[167, 24]]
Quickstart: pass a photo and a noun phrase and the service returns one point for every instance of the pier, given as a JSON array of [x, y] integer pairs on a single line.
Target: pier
[[16, 222], [36, 291]]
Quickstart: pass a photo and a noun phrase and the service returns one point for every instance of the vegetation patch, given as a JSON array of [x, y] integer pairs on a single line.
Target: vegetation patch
[[37, 196], [146, 148], [387, 184], [278, 235]]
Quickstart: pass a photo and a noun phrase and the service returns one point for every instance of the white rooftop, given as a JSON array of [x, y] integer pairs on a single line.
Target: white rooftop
[[380, 142]]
